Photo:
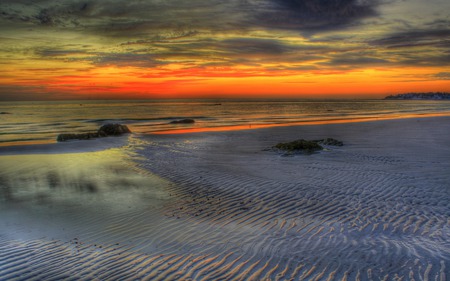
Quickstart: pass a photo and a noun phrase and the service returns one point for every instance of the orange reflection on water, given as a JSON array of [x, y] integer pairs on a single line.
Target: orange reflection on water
[[301, 123], [28, 142]]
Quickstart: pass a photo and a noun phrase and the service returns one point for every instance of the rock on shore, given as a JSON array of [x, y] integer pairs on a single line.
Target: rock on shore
[[113, 130], [104, 131], [307, 146]]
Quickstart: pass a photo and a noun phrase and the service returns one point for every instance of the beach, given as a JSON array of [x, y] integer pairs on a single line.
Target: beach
[[226, 206]]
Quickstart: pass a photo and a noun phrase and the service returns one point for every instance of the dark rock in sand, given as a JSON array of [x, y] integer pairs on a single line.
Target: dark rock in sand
[[299, 145], [104, 131], [3, 112], [307, 146], [183, 121]]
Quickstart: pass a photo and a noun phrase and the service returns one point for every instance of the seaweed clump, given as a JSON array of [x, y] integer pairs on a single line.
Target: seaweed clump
[[307, 146], [299, 145]]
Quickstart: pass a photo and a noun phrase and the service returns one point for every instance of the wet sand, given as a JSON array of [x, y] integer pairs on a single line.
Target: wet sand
[[222, 206]]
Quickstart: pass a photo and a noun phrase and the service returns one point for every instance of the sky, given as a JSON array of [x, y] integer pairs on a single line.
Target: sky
[[139, 49]]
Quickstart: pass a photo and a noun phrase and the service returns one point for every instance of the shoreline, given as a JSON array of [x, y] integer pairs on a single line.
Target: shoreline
[[76, 146], [299, 123]]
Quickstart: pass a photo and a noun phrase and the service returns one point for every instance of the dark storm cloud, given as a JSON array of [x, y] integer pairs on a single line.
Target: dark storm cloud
[[43, 13], [45, 17], [125, 18], [135, 17], [314, 15]]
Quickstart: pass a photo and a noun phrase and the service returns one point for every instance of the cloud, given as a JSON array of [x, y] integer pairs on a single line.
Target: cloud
[[59, 52], [30, 92], [44, 17], [127, 59], [420, 47], [354, 61], [253, 46], [442, 75], [414, 38], [125, 18], [426, 60], [315, 16], [438, 24], [163, 38], [199, 52], [200, 33], [140, 18]]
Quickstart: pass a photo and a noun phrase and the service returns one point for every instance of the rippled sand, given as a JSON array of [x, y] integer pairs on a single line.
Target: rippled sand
[[220, 206]]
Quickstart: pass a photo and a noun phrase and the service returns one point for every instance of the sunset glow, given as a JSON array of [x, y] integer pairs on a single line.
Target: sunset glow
[[213, 49]]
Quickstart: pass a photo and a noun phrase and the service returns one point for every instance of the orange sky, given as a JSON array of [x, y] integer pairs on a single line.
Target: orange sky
[[275, 48]]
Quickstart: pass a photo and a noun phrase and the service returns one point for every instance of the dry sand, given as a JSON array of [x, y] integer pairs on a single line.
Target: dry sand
[[220, 206]]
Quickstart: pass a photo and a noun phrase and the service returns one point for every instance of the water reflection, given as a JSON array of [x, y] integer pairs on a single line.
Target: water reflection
[[63, 176], [84, 195]]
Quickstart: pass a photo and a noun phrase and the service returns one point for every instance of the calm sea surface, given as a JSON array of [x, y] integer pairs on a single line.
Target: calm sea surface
[[43, 121]]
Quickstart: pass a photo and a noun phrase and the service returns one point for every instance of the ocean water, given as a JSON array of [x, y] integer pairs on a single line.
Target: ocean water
[[43, 121]]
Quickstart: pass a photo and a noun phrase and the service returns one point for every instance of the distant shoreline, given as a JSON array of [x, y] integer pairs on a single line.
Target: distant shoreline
[[420, 96]]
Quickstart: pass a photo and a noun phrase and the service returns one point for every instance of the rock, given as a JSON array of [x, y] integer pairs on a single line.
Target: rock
[[113, 130], [104, 131], [3, 112], [84, 136], [307, 146], [299, 145], [183, 121]]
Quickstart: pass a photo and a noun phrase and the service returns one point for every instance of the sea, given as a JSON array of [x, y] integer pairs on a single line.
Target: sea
[[41, 121]]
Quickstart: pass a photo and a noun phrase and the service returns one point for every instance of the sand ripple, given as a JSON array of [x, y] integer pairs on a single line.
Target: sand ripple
[[242, 213]]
